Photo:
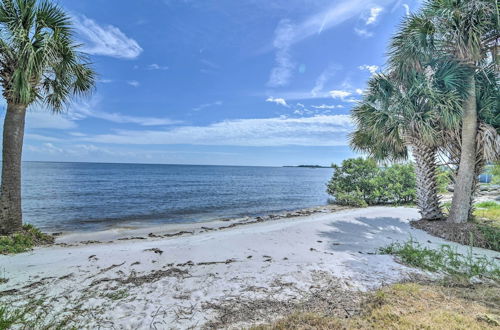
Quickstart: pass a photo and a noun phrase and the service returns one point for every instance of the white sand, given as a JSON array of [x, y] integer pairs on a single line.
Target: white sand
[[289, 257]]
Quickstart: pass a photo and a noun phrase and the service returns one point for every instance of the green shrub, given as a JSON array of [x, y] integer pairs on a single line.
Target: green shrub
[[24, 240], [354, 198], [360, 182]]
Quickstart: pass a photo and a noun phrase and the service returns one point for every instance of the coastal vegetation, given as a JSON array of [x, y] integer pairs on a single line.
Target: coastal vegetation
[[483, 230], [466, 297], [24, 240], [410, 306], [495, 172], [40, 65], [439, 96], [445, 260], [361, 182]]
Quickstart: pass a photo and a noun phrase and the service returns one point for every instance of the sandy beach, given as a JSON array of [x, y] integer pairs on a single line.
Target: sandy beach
[[213, 275]]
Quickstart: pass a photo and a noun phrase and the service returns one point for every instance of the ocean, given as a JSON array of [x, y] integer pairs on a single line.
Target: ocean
[[94, 196]]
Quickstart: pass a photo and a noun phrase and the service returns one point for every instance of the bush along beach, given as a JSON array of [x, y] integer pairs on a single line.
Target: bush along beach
[[361, 182]]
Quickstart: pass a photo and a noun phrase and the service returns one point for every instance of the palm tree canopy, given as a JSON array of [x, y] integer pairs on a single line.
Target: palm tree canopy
[[422, 105], [464, 29], [39, 61], [488, 96]]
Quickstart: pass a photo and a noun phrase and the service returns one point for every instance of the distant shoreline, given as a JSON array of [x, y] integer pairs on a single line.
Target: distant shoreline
[[308, 166], [165, 164]]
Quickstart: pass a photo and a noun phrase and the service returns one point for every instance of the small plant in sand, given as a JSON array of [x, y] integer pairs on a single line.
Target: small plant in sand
[[446, 260], [24, 240]]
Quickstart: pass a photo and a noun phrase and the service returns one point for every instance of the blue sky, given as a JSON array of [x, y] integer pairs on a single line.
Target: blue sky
[[247, 82]]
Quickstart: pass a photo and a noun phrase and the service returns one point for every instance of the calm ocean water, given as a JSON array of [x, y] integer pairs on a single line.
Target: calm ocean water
[[89, 196]]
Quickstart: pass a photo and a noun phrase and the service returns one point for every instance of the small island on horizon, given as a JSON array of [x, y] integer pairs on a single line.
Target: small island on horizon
[[309, 166]]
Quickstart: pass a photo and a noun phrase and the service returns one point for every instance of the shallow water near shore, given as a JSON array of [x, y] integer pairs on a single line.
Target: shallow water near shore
[[92, 196]]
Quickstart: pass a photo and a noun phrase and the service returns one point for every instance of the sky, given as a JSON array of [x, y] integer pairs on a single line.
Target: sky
[[221, 82]]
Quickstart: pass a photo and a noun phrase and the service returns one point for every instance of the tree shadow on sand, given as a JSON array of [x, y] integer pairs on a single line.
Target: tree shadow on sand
[[366, 235], [357, 241]]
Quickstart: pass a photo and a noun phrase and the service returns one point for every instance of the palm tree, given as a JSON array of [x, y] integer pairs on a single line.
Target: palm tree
[[396, 114], [487, 138], [465, 30], [39, 63]]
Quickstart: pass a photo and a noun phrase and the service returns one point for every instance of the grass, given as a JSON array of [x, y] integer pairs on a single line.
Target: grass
[[24, 240], [489, 211], [482, 231], [31, 317], [410, 306], [487, 218], [117, 295], [445, 260], [452, 303]]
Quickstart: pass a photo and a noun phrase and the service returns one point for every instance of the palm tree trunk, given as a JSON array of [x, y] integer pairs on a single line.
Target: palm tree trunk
[[11, 219], [461, 202], [425, 167]]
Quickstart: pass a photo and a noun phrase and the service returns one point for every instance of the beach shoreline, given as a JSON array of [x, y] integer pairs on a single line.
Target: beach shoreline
[[231, 277], [139, 232]]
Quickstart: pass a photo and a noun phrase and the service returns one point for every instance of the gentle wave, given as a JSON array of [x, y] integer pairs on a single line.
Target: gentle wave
[[91, 196]]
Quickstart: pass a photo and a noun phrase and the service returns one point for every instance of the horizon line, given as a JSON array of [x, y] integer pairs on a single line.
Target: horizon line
[[166, 164]]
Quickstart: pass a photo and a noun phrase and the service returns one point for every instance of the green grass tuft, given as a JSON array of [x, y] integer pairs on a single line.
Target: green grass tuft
[[24, 240], [488, 205], [445, 259], [117, 295], [33, 316], [9, 318]]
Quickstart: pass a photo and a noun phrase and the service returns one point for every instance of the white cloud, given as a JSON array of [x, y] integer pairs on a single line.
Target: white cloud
[[155, 66], [374, 14], [287, 34], [370, 68], [277, 100], [39, 137], [210, 64], [329, 18], [304, 95], [77, 134], [363, 33], [77, 150], [323, 79], [282, 72], [339, 94], [105, 40], [46, 119], [359, 91], [84, 110], [133, 83], [323, 130], [407, 9], [325, 106], [45, 148], [207, 105]]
